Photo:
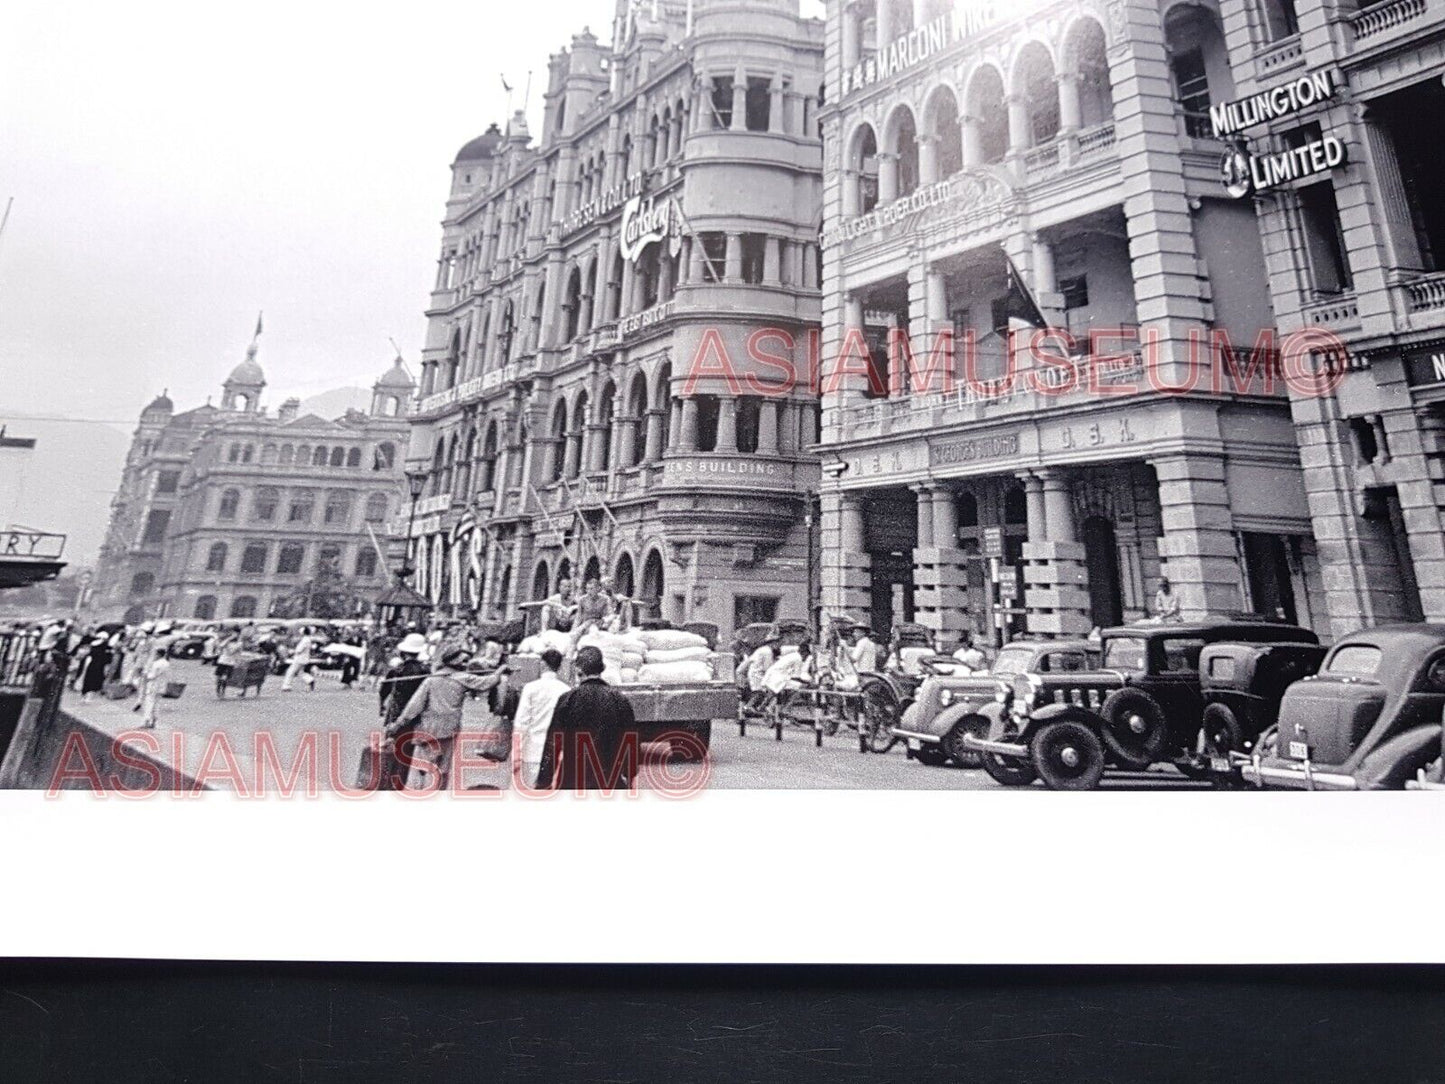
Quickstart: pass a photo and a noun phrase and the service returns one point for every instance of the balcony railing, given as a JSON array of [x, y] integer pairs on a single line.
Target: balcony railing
[[1041, 160], [1425, 294], [1380, 18], [1094, 141], [1279, 55]]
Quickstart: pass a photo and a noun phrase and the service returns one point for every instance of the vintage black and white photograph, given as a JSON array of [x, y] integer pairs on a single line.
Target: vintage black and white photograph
[[690, 395]]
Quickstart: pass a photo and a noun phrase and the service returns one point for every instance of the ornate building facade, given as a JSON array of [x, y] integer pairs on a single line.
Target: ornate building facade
[[1354, 242], [605, 291], [224, 511], [992, 166]]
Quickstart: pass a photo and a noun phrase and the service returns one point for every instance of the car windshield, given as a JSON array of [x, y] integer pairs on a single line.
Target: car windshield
[[1182, 656], [1012, 660], [1124, 653], [1358, 659]]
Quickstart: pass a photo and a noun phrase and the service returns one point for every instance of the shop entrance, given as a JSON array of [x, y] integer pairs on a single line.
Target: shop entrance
[[1101, 558], [1271, 580], [892, 594]]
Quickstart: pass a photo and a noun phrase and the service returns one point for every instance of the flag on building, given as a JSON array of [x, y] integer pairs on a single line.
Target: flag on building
[[1019, 305]]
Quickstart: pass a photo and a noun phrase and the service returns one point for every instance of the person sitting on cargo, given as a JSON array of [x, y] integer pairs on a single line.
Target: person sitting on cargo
[[594, 608], [560, 609]]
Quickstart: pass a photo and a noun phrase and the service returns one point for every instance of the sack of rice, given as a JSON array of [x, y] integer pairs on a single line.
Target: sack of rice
[[670, 639], [679, 654], [532, 645], [629, 675], [675, 673], [634, 643], [633, 659], [553, 638], [612, 676]]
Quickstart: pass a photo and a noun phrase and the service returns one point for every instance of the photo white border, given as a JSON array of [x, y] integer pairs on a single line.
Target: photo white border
[[732, 877]]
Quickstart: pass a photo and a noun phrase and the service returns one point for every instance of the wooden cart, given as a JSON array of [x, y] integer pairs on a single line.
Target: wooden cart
[[249, 673]]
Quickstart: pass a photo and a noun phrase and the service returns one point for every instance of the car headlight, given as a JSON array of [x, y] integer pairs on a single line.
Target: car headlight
[[945, 697], [1000, 695]]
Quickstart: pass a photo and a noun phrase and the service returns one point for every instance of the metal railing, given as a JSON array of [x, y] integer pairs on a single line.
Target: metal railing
[[19, 658], [1382, 17]]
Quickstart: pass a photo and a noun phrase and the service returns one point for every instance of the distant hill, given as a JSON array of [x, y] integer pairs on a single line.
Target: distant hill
[[333, 404], [66, 483]]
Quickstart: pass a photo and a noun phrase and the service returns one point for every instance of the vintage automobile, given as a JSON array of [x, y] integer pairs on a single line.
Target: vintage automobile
[[1142, 707], [1369, 720], [1243, 685], [187, 645], [948, 706]]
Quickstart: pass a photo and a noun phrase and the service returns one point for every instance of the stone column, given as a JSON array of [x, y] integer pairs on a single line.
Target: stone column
[[945, 518], [727, 424], [927, 158], [1020, 131], [687, 439], [884, 25], [740, 100], [1058, 506], [1070, 114], [777, 120], [887, 177], [733, 266], [852, 36], [626, 291], [924, 502], [652, 449], [846, 565], [674, 431], [1034, 504], [768, 427], [572, 453], [851, 184], [972, 141], [624, 441], [1198, 546], [772, 261]]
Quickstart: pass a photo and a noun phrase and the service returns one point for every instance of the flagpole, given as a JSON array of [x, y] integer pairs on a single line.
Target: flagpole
[[696, 240]]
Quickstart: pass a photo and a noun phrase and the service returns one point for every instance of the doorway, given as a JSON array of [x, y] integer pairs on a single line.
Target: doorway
[[1101, 558], [892, 592], [1271, 580]]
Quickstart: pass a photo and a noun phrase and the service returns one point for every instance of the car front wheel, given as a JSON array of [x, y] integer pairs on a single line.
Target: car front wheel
[[1068, 756], [963, 757]]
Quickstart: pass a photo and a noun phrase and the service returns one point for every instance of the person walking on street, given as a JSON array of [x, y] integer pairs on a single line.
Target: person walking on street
[[436, 713], [157, 676], [96, 664], [301, 663], [588, 745], [535, 706], [396, 687]]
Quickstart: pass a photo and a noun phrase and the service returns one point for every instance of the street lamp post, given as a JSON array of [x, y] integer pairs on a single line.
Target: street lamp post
[[416, 481]]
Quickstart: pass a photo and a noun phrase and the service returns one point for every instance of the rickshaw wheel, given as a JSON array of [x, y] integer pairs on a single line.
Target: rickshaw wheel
[[880, 711], [1068, 756]]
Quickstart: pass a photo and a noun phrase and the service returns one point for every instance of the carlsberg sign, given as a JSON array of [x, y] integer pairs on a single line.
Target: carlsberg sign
[[644, 221]]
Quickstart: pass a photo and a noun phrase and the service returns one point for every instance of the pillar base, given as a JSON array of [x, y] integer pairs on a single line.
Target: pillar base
[[1056, 589]]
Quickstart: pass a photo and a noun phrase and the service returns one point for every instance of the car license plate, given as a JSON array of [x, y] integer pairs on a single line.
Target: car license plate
[[1299, 750]]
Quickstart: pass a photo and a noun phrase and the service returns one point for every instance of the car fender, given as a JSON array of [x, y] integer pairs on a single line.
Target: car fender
[[1057, 713], [949, 717], [1398, 759]]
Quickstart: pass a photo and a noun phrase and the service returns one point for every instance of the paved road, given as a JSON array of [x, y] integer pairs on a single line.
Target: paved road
[[342, 720]]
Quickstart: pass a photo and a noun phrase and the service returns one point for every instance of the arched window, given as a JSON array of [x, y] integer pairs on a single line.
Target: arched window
[[376, 508], [559, 442], [268, 455], [230, 501], [464, 469], [338, 456], [861, 193], [1036, 83], [506, 333], [206, 607], [637, 407], [987, 117], [353, 457], [338, 510], [303, 455], [1086, 56], [216, 558], [1199, 63], [653, 582], [263, 507], [319, 457], [288, 455], [233, 454], [541, 582], [624, 581], [142, 583], [898, 175], [488, 467], [301, 506], [253, 558], [749, 414], [385, 455], [572, 304], [248, 453], [942, 122], [243, 606], [290, 558], [365, 562], [604, 422], [578, 439], [438, 460]]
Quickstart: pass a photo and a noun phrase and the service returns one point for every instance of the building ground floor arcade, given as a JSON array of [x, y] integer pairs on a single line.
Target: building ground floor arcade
[[1058, 525]]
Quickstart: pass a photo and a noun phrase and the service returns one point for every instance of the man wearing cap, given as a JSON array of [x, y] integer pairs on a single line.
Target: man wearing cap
[[588, 745], [398, 685], [435, 713]]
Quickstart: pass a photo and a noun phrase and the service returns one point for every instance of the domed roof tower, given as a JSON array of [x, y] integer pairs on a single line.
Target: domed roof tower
[[242, 389], [392, 391]]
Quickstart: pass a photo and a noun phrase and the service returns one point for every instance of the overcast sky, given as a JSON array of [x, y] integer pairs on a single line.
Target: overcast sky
[[177, 167]]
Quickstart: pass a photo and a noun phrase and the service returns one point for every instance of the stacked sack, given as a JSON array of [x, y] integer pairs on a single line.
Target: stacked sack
[[623, 655], [674, 656], [535, 645]]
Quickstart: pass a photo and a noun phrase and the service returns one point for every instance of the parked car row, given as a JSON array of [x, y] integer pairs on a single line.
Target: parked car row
[[1237, 702]]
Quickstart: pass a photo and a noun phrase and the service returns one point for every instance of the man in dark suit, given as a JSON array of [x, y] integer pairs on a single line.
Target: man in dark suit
[[592, 743]]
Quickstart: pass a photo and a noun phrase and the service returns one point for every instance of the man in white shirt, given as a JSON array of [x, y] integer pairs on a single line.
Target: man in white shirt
[[864, 652], [300, 663], [534, 716]]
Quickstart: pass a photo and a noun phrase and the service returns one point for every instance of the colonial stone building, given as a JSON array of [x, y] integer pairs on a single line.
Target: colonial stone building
[[223, 511], [992, 165], [1355, 247], [605, 290]]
